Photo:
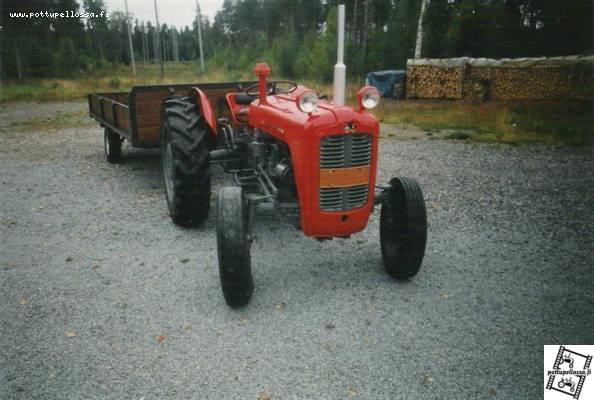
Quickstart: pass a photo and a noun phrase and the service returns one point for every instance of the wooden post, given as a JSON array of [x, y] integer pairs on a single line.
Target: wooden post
[[159, 40], [144, 44], [175, 45], [155, 45], [18, 60], [354, 31], [130, 39], [365, 23], [199, 28]]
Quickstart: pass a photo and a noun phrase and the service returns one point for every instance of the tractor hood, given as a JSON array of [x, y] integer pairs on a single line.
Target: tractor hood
[[281, 116]]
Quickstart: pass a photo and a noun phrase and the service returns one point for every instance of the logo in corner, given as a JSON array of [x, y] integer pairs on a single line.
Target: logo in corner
[[569, 369]]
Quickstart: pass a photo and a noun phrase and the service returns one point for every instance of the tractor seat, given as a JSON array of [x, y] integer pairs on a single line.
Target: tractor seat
[[243, 114], [244, 98]]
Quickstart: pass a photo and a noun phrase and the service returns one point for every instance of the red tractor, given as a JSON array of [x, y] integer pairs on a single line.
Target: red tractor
[[290, 150]]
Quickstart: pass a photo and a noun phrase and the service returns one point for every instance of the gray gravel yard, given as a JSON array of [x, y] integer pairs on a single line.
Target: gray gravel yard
[[103, 297]]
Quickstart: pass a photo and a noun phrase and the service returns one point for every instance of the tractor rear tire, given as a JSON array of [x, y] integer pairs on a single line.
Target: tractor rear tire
[[403, 228], [233, 247], [112, 143], [185, 145]]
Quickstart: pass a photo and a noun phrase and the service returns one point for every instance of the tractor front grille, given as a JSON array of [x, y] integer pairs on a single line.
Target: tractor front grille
[[344, 151], [341, 199]]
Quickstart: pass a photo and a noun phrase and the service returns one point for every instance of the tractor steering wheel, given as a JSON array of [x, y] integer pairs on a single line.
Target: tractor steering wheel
[[272, 88]]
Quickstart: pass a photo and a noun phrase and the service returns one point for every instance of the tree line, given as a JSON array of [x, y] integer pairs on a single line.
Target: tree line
[[297, 37]]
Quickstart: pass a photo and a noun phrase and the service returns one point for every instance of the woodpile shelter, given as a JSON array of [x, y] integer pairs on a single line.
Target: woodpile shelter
[[556, 78]]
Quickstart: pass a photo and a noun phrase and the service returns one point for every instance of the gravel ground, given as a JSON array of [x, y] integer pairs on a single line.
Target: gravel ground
[[102, 297]]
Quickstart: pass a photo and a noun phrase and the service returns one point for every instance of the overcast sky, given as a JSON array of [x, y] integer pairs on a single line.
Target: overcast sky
[[171, 12]]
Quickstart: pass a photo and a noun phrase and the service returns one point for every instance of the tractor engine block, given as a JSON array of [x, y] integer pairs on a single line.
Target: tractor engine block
[[260, 163]]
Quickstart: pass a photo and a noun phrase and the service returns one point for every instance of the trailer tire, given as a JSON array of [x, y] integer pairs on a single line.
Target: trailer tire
[[403, 228], [185, 145], [112, 143], [233, 247]]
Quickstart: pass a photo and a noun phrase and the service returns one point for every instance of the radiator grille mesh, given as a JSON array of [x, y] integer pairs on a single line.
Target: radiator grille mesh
[[341, 199], [344, 151], [341, 151]]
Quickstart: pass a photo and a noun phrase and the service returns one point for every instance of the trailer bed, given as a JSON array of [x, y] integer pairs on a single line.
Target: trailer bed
[[136, 115]]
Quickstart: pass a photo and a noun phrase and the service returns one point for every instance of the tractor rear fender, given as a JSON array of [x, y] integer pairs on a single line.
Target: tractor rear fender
[[205, 110]]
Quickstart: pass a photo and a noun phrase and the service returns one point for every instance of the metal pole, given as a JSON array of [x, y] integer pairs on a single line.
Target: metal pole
[[340, 68], [159, 40], [198, 26], [130, 39]]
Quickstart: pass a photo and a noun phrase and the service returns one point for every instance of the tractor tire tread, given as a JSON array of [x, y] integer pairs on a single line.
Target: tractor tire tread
[[403, 257], [191, 161], [233, 247]]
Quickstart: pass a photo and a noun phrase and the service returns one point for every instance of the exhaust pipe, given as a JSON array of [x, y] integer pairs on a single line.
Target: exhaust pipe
[[340, 68]]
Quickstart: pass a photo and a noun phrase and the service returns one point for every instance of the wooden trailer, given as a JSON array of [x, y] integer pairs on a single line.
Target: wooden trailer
[[136, 115]]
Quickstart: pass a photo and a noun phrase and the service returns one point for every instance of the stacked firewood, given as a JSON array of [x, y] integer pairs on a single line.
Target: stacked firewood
[[482, 79], [434, 82]]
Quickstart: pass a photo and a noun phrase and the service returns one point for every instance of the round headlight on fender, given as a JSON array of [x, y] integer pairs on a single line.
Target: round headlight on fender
[[308, 102], [368, 97]]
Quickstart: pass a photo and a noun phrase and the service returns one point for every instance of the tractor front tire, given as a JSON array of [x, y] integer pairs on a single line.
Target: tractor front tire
[[403, 228], [233, 247], [185, 145], [112, 143]]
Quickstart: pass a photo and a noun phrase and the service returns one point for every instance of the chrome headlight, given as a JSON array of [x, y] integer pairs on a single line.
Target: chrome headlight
[[308, 102], [368, 97]]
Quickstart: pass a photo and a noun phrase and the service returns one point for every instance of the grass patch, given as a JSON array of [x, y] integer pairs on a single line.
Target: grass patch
[[118, 79], [458, 135], [512, 122], [48, 124]]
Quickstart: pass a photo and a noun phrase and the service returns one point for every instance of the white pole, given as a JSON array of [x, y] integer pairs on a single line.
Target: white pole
[[130, 39], [198, 26], [340, 68]]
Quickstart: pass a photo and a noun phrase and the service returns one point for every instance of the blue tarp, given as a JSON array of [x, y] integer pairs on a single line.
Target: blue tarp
[[385, 80]]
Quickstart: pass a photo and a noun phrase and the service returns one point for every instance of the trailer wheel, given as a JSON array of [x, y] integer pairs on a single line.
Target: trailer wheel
[[112, 142], [233, 247], [403, 228], [185, 143]]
